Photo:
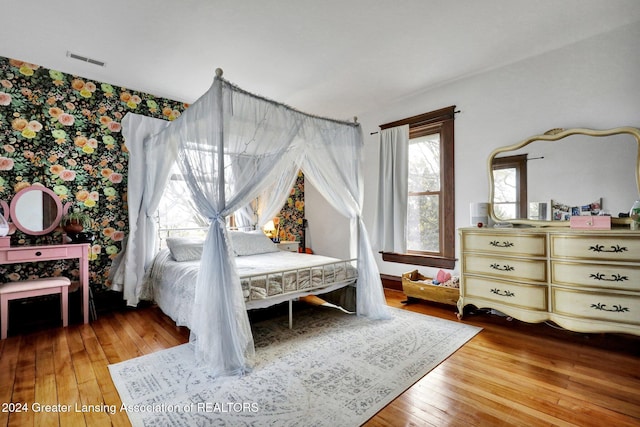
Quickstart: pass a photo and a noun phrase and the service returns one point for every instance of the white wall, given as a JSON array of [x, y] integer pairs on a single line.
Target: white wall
[[594, 83]]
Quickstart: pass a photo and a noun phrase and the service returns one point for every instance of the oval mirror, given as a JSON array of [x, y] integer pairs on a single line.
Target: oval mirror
[[36, 210], [547, 178]]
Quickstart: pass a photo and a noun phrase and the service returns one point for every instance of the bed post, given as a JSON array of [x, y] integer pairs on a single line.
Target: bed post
[[290, 313], [221, 181]]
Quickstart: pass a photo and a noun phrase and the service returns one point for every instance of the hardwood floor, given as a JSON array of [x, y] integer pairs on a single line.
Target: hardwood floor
[[510, 374]]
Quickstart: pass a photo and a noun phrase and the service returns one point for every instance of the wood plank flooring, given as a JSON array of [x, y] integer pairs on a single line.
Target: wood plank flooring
[[511, 374]]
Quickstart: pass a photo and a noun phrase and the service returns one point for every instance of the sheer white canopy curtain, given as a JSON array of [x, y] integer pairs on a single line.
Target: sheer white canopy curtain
[[390, 233], [232, 147], [148, 175]]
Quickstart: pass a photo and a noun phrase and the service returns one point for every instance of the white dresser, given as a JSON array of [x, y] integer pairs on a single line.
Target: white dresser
[[585, 281]]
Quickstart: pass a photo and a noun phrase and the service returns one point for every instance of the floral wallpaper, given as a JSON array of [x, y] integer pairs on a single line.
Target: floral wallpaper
[[63, 132], [292, 214]]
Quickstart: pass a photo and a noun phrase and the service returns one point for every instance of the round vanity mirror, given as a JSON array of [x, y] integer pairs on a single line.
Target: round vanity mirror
[[36, 210]]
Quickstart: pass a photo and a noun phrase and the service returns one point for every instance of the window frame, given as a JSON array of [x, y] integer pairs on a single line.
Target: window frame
[[519, 163], [438, 121]]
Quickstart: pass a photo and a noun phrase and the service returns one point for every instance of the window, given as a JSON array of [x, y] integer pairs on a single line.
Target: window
[[510, 187], [430, 204], [177, 214], [423, 204]]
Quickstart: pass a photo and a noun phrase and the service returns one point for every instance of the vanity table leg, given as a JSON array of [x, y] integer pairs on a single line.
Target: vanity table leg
[[84, 282]]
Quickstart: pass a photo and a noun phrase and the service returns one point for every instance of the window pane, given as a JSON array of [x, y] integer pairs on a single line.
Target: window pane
[[423, 223], [505, 210], [424, 163], [506, 193], [177, 211], [505, 185]]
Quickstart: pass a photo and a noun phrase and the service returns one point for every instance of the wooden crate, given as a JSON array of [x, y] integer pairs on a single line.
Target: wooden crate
[[415, 285]]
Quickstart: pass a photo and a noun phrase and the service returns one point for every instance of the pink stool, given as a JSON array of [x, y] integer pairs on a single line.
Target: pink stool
[[33, 288]]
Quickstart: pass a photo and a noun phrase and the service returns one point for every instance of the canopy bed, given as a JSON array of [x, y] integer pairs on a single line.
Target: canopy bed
[[232, 147]]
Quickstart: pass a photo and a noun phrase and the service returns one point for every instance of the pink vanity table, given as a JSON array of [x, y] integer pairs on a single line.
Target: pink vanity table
[[37, 211], [80, 251]]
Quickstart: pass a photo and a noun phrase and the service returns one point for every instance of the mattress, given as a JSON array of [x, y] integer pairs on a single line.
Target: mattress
[[266, 279]]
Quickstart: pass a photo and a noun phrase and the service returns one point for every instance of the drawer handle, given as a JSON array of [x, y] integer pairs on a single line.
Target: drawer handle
[[499, 267], [505, 244], [614, 277], [38, 253], [614, 249], [615, 309], [502, 293]]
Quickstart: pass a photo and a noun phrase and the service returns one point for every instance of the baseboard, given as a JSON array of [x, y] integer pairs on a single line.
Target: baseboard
[[391, 282]]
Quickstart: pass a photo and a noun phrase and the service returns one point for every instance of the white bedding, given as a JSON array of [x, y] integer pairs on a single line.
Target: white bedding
[[171, 284]]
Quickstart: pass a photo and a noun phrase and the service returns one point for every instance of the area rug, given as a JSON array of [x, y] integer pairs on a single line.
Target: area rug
[[331, 369]]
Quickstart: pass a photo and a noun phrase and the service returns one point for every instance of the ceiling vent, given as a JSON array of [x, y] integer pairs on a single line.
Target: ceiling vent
[[85, 59]]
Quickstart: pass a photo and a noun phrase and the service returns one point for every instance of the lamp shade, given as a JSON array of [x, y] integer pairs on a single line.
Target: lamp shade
[[269, 227]]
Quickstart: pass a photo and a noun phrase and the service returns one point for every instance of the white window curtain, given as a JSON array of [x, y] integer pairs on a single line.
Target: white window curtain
[[149, 170], [214, 138], [390, 234]]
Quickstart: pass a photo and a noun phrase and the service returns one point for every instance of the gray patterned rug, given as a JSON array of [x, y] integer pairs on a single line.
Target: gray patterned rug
[[331, 369]]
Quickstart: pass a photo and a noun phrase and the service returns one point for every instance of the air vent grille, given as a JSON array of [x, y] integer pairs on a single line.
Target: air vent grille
[[85, 59]]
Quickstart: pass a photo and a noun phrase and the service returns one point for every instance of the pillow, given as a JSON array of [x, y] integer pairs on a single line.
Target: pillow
[[185, 249], [251, 243]]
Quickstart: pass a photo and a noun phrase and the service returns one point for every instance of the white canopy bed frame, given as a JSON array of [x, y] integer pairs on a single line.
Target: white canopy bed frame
[[232, 147]]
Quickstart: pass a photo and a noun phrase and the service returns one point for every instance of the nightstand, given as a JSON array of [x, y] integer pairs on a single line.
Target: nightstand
[[288, 245]]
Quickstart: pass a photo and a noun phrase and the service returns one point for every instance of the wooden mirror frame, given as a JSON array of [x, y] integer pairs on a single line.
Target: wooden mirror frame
[[554, 135], [60, 210]]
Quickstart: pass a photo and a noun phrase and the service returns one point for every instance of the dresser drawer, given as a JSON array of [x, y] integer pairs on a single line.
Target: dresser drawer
[[616, 307], [503, 267], [34, 254], [609, 276], [533, 297], [508, 244], [610, 248]]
